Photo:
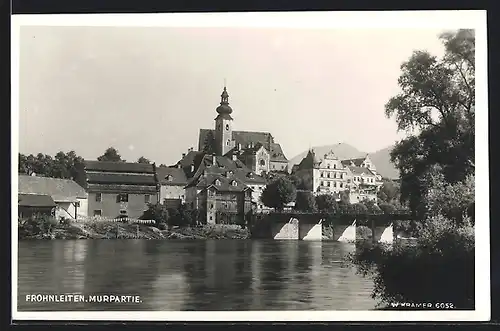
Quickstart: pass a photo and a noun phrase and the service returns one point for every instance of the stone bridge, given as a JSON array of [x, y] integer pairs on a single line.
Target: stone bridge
[[291, 226]]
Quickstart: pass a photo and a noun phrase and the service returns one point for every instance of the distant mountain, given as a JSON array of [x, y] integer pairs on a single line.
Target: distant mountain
[[381, 158]]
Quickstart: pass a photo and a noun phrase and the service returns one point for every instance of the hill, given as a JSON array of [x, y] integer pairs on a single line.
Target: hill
[[381, 158]]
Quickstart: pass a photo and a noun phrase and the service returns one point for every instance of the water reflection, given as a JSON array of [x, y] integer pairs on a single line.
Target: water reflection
[[193, 275]]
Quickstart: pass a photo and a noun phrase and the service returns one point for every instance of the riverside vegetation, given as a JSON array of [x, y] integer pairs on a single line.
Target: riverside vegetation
[[436, 106]]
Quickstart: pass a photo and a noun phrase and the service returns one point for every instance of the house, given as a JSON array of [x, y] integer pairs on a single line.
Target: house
[[172, 182], [119, 189], [70, 199], [330, 175], [31, 204], [223, 184]]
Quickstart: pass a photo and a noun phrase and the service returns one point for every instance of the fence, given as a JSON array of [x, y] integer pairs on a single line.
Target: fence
[[115, 220]]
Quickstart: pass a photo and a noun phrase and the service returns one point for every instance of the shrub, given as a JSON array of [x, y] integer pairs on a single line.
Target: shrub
[[326, 203], [438, 268], [305, 201], [387, 208], [36, 225]]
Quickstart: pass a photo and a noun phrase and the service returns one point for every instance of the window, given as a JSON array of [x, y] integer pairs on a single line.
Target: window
[[211, 206], [228, 142], [122, 197], [147, 198], [262, 162], [321, 174], [234, 183], [97, 212], [211, 218], [98, 197], [123, 212], [334, 166], [217, 182], [328, 175], [227, 126], [169, 178], [77, 204]]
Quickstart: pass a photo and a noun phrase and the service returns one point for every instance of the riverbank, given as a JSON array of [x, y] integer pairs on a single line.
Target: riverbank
[[117, 230]]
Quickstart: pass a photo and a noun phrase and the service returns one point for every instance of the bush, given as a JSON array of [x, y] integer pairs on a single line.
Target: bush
[[305, 201], [387, 208], [36, 225], [438, 268], [326, 203]]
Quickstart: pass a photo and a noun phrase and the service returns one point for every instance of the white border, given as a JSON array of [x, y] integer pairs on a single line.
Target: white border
[[353, 20]]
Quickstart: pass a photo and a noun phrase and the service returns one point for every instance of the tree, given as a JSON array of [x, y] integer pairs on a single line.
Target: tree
[[305, 202], [157, 212], [387, 208], [389, 192], [326, 203], [372, 207], [279, 193], [358, 209], [142, 159], [63, 165], [345, 197], [111, 154], [162, 165], [436, 107]]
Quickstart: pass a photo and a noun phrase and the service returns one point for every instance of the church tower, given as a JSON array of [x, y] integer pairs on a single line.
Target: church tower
[[224, 126]]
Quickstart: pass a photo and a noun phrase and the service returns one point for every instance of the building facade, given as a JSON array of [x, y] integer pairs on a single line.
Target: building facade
[[70, 198], [119, 189], [330, 175], [223, 184], [172, 185]]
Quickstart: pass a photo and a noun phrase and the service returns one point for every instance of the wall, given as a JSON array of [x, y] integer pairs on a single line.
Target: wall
[[135, 206], [358, 197], [262, 154], [82, 211], [65, 210], [172, 192]]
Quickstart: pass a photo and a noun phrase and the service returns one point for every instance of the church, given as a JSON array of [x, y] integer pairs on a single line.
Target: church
[[228, 172]]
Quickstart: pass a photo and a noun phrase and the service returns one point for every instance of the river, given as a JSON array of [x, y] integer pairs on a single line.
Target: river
[[192, 275]]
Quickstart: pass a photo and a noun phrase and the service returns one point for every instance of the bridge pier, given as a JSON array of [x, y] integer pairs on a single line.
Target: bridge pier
[[289, 230], [345, 232], [383, 234], [309, 231]]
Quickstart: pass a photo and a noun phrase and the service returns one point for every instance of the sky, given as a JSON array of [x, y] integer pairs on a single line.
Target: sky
[[148, 90]]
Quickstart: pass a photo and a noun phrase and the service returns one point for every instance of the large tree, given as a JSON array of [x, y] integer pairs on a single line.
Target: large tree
[[436, 107], [305, 201], [63, 165], [111, 154], [142, 159], [279, 193]]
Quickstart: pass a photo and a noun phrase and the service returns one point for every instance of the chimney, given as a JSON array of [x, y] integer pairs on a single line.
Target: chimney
[[214, 159], [234, 157], [179, 165], [183, 155], [239, 147]]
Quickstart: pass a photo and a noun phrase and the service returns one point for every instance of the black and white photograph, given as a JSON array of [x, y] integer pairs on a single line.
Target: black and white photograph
[[301, 166]]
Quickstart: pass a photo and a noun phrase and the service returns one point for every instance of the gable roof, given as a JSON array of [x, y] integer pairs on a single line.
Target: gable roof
[[35, 200], [58, 189], [277, 154], [128, 167], [178, 176], [208, 171], [357, 161], [360, 170]]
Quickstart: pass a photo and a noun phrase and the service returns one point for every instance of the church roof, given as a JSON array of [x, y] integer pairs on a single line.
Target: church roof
[[245, 139]]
